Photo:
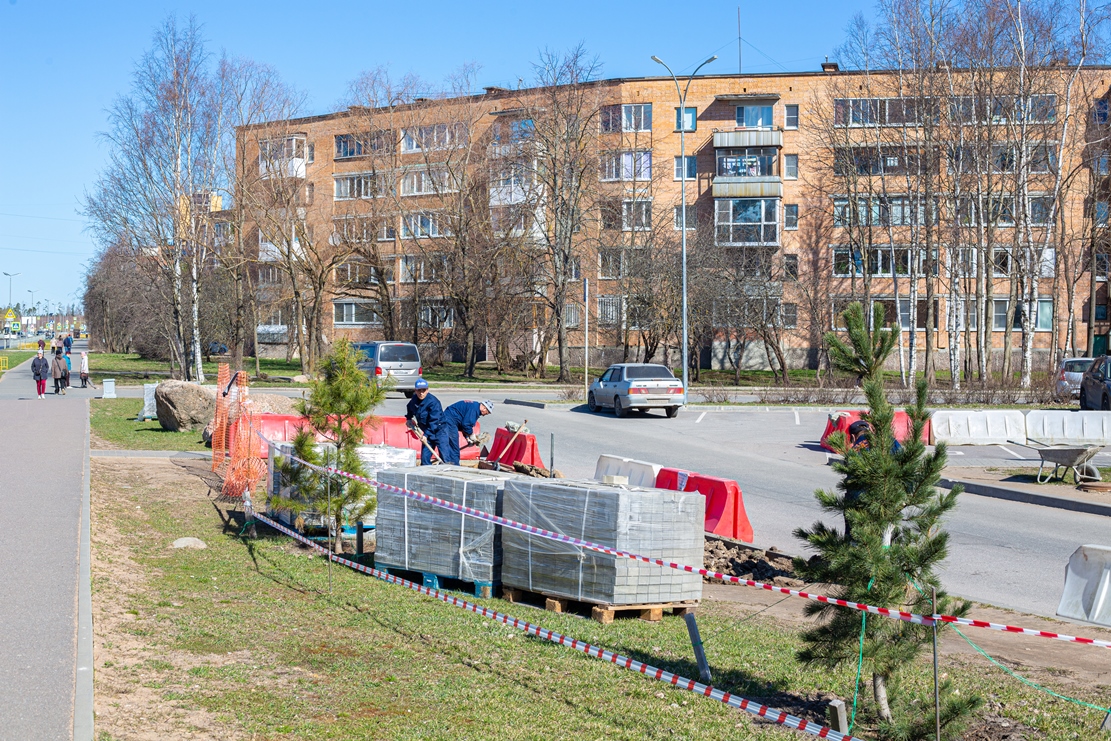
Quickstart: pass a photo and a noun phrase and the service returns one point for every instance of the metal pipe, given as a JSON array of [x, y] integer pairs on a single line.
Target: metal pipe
[[699, 650]]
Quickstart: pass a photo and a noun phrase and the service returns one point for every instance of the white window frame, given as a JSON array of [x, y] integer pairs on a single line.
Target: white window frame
[[348, 314], [726, 206], [636, 117], [631, 165], [692, 222], [353, 186], [790, 111], [787, 220], [423, 225], [434, 137], [790, 167], [572, 315], [687, 119], [609, 310], [424, 181], [636, 215], [692, 167], [436, 313], [763, 118]]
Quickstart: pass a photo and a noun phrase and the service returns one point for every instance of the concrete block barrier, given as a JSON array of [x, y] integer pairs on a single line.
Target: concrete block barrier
[[1060, 427], [640, 473], [992, 427], [1087, 593]]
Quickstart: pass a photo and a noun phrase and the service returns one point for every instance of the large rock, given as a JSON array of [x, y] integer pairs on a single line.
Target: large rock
[[184, 406]]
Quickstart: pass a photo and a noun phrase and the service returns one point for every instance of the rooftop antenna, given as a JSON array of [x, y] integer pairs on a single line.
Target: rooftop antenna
[[738, 39]]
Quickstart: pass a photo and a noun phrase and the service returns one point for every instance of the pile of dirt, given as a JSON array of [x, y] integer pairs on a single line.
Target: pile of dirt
[[993, 727], [747, 562]]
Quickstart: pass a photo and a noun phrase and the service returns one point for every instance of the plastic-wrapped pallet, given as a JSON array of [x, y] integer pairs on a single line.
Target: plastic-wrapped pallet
[[418, 536], [378, 458], [652, 522]]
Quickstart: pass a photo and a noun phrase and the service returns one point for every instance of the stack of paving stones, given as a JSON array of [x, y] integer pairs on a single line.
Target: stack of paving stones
[[749, 563], [651, 522], [418, 536]]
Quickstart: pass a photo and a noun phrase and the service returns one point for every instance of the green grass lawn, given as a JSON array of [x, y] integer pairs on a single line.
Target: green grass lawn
[[15, 357], [114, 421], [103, 365], [253, 634]]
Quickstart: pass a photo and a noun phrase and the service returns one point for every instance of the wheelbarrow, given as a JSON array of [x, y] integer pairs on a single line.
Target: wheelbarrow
[[1062, 459]]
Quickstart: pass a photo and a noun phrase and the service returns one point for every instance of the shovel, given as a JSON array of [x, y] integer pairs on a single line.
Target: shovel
[[494, 465], [424, 442]]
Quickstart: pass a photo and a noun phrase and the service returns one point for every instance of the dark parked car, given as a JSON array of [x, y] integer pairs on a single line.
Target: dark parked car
[[1095, 387], [217, 348]]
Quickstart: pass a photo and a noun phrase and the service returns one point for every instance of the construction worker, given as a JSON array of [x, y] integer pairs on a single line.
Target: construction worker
[[425, 416], [460, 417]]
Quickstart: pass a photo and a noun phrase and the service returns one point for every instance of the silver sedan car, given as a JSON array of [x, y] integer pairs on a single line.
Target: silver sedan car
[[1069, 376], [640, 386]]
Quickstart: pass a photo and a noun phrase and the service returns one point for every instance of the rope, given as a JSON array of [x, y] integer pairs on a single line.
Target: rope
[[860, 660]]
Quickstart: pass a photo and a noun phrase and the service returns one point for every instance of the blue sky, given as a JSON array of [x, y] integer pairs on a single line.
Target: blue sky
[[63, 63]]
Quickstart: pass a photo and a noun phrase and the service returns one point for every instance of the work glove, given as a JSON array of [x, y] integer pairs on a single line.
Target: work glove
[[473, 440]]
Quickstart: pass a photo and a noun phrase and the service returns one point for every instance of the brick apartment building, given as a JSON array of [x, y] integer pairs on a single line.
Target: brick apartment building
[[957, 201]]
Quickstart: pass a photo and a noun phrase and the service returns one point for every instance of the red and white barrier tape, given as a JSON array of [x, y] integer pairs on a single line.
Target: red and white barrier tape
[[908, 617], [625, 662]]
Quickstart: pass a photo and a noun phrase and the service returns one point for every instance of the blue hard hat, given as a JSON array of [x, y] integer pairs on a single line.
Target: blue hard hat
[[420, 384]]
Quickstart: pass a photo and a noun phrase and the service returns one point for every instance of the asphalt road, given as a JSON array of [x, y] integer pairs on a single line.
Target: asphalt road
[[1003, 553], [45, 449]]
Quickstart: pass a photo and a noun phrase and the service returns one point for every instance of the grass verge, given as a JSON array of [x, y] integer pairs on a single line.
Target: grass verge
[[15, 357], [114, 422], [1030, 475], [251, 638]]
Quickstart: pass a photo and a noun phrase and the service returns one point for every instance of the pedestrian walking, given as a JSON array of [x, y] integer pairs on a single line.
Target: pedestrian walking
[[67, 343], [69, 369], [84, 369], [42, 345], [53, 346], [460, 417], [58, 373], [425, 416], [40, 369]]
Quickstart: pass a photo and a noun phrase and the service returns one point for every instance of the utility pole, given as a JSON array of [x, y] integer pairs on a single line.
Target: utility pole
[[738, 39]]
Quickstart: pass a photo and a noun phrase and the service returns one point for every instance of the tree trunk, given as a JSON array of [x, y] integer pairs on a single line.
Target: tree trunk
[[194, 283], [879, 691]]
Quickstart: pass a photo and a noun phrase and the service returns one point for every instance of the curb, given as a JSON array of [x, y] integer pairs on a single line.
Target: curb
[[1026, 497], [83, 700], [150, 454]]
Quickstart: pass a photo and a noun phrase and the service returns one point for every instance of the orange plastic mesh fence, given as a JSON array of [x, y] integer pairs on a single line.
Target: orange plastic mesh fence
[[220, 421], [246, 468]]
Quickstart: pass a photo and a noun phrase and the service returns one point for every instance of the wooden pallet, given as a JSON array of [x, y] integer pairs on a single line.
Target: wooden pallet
[[604, 614], [482, 589]]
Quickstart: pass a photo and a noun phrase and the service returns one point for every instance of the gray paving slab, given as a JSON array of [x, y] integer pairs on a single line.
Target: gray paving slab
[[46, 459]]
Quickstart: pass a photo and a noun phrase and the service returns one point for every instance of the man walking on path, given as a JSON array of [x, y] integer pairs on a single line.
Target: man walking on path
[[58, 372], [460, 417], [40, 369], [67, 343], [425, 415]]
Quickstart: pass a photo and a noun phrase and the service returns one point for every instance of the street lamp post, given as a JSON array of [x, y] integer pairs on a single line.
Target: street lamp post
[[683, 213], [33, 308], [8, 341]]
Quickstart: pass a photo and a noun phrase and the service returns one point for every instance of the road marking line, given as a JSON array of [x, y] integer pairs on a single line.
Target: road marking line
[[955, 452], [1008, 451], [700, 418], [796, 411]]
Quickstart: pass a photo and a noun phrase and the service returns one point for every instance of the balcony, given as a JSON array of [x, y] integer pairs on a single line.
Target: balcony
[[748, 138], [747, 172]]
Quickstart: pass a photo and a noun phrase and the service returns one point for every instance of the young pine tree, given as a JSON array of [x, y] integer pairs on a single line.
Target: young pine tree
[[338, 407], [889, 501]]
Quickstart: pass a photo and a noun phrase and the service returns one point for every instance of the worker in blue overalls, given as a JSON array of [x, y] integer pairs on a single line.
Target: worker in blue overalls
[[460, 417], [425, 416]]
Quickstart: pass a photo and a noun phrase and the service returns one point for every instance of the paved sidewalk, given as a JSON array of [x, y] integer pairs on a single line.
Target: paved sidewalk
[[43, 501], [999, 484]]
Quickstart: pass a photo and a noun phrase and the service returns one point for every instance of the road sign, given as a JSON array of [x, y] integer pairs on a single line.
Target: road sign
[[9, 316], [16, 326]]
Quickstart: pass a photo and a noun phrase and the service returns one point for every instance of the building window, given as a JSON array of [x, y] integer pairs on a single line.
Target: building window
[[691, 167], [636, 216], [421, 269], [882, 211], [686, 120], [609, 310], [791, 117], [1102, 165], [636, 117], [791, 166], [423, 225], [354, 313], [635, 165], [387, 232], [354, 229], [1040, 209], [1043, 321], [310, 152], [572, 316], [691, 220], [360, 185], [436, 136], [1100, 213], [746, 221], [754, 116], [999, 316], [791, 266], [749, 162], [610, 264], [789, 315], [791, 216], [1101, 312], [358, 145], [1101, 111], [437, 314], [424, 182], [269, 275]]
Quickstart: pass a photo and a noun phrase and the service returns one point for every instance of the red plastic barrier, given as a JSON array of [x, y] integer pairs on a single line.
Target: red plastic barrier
[[390, 431], [840, 421], [725, 506], [523, 449]]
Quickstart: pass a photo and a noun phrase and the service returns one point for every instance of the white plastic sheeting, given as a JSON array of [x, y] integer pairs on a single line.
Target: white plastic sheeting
[[640, 473], [994, 427], [1069, 428], [1087, 593]]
